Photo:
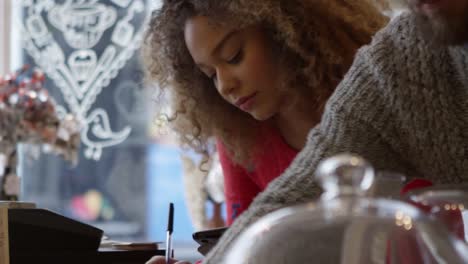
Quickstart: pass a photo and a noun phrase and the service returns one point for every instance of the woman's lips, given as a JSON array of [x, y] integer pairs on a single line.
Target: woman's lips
[[246, 103]]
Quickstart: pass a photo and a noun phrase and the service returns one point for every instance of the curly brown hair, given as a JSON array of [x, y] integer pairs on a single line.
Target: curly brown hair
[[317, 40]]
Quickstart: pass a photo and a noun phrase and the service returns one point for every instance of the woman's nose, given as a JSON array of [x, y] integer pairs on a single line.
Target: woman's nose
[[226, 82]]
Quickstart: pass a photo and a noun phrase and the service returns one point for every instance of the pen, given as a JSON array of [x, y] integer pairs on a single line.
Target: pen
[[170, 224]]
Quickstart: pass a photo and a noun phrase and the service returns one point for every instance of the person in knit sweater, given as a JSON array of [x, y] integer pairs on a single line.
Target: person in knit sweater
[[255, 75], [403, 105]]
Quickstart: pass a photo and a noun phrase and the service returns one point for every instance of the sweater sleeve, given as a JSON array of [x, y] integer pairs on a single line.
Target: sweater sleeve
[[351, 123], [239, 188]]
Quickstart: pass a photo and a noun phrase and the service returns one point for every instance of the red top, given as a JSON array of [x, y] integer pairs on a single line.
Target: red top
[[241, 185]]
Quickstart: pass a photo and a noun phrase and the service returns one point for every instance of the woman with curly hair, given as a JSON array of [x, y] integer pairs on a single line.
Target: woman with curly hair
[[254, 75]]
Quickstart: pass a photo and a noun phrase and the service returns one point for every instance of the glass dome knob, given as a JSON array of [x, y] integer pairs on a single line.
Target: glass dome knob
[[344, 175]]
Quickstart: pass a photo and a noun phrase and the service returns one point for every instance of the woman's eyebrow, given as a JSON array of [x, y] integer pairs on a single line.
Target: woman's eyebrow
[[223, 41], [218, 47]]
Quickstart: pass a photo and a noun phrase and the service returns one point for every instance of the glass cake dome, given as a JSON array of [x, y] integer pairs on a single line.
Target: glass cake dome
[[346, 226], [448, 203]]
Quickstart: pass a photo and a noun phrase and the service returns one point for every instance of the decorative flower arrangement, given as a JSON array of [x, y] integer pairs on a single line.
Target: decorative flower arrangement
[[29, 115]]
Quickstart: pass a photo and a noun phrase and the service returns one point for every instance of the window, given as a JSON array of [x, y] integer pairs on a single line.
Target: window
[[4, 29], [126, 176]]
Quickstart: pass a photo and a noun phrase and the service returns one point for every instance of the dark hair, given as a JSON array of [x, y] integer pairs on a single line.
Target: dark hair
[[317, 39]]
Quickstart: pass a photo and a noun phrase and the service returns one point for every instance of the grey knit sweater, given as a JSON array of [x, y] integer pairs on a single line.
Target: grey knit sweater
[[403, 105]]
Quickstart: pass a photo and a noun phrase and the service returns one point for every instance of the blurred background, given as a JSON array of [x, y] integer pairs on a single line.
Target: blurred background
[[128, 172]]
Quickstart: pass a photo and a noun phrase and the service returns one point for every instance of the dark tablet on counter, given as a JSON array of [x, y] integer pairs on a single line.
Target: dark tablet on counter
[[208, 238]]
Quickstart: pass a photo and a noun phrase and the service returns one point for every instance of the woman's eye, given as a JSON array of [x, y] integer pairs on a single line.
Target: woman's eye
[[237, 58]]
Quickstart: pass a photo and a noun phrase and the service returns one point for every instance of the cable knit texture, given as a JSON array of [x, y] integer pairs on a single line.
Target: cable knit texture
[[403, 106]]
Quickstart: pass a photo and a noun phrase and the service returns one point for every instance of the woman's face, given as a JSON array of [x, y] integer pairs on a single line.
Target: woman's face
[[241, 64]]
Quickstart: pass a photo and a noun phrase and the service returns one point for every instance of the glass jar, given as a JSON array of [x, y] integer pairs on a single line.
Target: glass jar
[[447, 203], [346, 226]]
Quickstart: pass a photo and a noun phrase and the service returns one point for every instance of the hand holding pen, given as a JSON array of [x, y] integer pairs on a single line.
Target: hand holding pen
[[169, 253]]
